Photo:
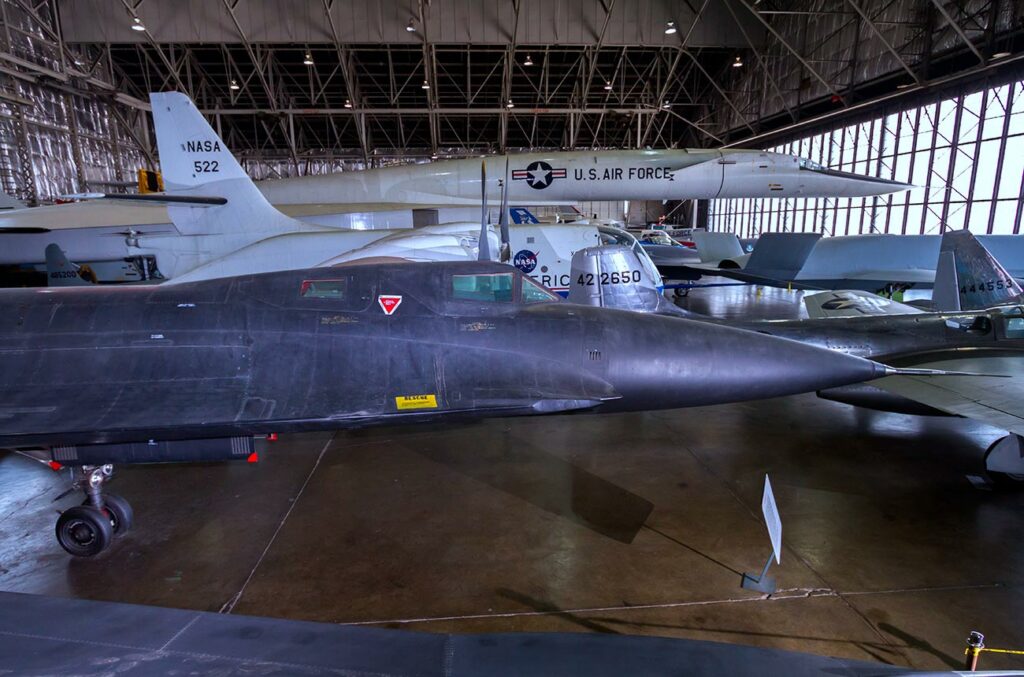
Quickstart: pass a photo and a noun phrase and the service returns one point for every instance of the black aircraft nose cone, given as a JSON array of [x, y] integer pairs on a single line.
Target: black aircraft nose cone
[[675, 362]]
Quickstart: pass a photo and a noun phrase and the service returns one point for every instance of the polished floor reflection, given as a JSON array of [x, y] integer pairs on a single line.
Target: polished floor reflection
[[632, 523]]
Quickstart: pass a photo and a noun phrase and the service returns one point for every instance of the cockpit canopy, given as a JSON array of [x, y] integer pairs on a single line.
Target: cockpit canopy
[[451, 288]]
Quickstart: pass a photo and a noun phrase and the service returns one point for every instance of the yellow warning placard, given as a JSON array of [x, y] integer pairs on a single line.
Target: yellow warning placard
[[416, 402]]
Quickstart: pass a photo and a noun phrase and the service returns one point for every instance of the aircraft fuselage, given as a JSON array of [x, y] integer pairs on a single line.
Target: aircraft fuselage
[[332, 348]]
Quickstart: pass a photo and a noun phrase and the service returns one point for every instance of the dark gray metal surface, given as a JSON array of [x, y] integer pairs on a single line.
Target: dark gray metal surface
[[49, 635], [253, 355]]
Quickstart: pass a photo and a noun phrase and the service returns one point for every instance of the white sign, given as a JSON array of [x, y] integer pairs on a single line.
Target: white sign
[[772, 519]]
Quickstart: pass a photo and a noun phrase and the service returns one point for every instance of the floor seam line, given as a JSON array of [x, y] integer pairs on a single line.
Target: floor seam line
[[230, 604]]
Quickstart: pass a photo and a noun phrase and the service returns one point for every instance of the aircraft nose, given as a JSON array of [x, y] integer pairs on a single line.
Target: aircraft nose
[[848, 184], [675, 362]]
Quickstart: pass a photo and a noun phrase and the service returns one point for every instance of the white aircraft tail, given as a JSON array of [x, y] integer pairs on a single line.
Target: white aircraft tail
[[968, 277], [714, 247], [60, 272], [613, 276], [195, 163]]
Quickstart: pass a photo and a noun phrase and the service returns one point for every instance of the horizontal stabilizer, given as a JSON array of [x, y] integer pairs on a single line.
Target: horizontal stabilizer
[[853, 303], [154, 199]]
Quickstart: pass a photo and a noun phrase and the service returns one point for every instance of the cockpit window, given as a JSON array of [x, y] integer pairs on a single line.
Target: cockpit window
[[811, 165], [324, 289], [534, 293], [490, 287], [1015, 327]]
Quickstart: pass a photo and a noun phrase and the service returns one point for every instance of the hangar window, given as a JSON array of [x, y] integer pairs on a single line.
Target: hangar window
[[324, 289], [534, 293], [491, 287]]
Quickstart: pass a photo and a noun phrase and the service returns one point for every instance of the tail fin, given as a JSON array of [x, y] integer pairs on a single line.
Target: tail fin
[[968, 277], [781, 256], [714, 247], [613, 276], [60, 272], [196, 162], [521, 215]]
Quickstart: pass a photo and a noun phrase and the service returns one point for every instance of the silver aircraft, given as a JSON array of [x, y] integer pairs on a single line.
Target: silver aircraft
[[977, 328]]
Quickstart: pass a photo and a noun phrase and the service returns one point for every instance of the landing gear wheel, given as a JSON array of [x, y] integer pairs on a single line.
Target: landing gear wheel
[[120, 512], [680, 292], [1004, 462], [84, 531]]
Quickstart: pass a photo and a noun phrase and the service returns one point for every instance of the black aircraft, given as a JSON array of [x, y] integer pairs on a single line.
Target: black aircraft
[[101, 375]]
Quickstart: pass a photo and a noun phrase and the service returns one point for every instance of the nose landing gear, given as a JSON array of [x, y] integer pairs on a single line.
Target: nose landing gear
[[87, 530]]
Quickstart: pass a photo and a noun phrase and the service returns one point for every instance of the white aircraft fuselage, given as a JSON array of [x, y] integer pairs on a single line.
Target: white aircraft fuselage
[[566, 177]]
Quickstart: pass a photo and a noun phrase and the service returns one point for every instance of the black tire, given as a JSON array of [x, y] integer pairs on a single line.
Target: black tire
[[120, 512], [84, 531]]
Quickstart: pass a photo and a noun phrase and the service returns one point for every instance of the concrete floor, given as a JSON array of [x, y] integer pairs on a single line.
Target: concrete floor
[[632, 523]]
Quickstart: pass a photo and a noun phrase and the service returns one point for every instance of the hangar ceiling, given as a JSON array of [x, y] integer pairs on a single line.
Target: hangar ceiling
[[397, 80]]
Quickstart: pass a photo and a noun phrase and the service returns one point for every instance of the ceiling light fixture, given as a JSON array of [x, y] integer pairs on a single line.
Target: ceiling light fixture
[[670, 28], [308, 61], [348, 104], [434, 156], [607, 86], [137, 24], [425, 85], [1000, 55], [666, 105], [510, 104], [529, 61], [411, 26], [738, 63], [234, 86]]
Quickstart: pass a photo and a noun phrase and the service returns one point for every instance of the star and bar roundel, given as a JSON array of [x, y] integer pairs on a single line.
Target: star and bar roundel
[[538, 174]]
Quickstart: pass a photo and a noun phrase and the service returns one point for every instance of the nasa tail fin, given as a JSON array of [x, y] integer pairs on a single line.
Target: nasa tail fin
[[195, 162], [612, 276], [968, 277], [60, 272], [781, 256]]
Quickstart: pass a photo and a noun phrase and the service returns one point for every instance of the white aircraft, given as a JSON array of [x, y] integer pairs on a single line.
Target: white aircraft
[[403, 196], [566, 177], [223, 226]]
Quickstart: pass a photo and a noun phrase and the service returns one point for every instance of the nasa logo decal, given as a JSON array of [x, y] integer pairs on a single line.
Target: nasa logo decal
[[525, 260], [538, 174], [389, 303]]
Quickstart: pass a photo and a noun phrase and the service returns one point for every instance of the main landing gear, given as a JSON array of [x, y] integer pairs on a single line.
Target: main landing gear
[[87, 530], [1004, 461]]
